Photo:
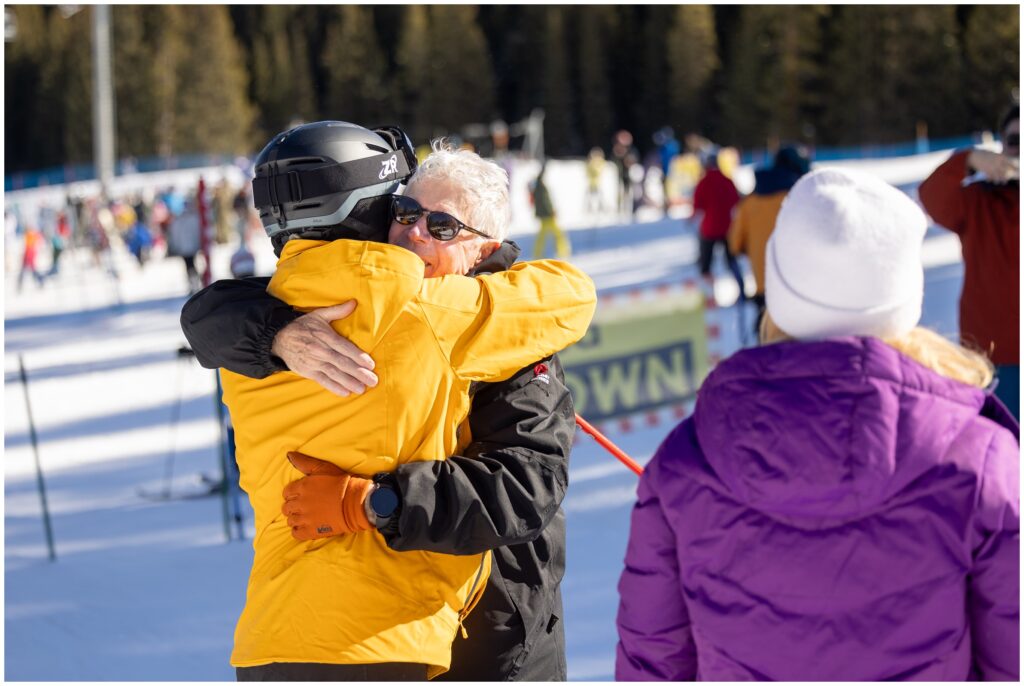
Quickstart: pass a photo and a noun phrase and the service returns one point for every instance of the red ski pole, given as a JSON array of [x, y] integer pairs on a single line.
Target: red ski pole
[[609, 446]]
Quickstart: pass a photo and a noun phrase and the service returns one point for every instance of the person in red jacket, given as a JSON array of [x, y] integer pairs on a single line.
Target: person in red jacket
[[976, 194], [714, 199]]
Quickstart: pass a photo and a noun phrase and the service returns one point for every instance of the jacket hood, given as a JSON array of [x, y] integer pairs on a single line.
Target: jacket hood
[[324, 273], [774, 180], [823, 432]]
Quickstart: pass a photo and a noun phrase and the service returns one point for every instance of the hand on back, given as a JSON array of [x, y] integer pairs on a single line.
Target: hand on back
[[326, 502], [313, 349]]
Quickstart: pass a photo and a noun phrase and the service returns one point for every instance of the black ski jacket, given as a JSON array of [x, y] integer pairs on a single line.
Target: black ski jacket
[[504, 494]]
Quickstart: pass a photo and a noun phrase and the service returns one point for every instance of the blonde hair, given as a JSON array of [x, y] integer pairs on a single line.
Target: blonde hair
[[945, 357], [925, 347]]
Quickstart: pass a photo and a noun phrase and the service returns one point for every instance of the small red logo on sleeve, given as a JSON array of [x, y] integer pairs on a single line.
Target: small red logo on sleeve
[[540, 373]]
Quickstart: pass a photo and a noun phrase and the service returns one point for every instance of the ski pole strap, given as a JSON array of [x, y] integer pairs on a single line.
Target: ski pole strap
[[609, 446]]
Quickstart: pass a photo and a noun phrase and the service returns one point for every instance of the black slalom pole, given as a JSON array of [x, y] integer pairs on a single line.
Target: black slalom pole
[[39, 467], [218, 398]]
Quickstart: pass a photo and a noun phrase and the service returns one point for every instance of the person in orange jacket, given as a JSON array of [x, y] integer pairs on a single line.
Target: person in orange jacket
[[33, 239], [754, 218], [976, 195]]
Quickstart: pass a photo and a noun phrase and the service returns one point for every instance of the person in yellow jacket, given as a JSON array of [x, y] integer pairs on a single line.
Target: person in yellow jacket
[[348, 604], [544, 208], [754, 218]]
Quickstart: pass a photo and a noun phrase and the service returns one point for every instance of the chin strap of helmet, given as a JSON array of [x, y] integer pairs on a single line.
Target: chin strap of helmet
[[276, 207]]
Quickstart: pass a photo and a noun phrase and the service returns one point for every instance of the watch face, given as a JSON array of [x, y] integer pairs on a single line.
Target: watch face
[[384, 501]]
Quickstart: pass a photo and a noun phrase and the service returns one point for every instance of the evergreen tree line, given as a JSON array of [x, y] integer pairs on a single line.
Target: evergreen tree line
[[219, 79]]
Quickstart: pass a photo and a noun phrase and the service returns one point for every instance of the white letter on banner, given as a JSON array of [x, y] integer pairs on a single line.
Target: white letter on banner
[[616, 386], [675, 379]]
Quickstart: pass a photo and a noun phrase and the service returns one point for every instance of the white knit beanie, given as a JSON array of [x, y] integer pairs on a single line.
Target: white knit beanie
[[845, 258]]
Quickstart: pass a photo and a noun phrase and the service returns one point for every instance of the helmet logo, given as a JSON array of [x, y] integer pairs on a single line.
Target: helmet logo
[[390, 166]]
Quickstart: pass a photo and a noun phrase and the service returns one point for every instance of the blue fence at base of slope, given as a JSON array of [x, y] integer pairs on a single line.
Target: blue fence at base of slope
[[71, 173], [85, 172], [870, 152]]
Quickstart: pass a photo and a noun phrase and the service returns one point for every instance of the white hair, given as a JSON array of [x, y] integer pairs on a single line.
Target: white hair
[[482, 186]]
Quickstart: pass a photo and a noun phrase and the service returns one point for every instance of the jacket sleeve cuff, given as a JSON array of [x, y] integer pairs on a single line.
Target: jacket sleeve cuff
[[268, 362]]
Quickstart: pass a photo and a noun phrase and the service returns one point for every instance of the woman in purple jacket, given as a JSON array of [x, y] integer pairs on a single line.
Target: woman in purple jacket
[[844, 502]]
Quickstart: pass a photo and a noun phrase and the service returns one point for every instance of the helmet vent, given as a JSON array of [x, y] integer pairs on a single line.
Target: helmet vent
[[295, 161], [306, 206]]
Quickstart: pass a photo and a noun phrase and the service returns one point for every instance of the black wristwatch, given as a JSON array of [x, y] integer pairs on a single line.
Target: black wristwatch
[[385, 500]]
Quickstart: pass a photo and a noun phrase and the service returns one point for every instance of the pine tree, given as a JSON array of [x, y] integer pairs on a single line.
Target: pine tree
[[623, 46], [48, 90], [167, 45], [24, 105], [281, 71], [460, 85], [75, 78], [302, 91], [505, 30], [651, 108], [412, 58], [556, 94], [932, 70], [134, 82], [692, 60], [992, 56], [892, 67], [594, 93], [186, 78], [356, 90], [213, 111], [775, 63], [523, 65]]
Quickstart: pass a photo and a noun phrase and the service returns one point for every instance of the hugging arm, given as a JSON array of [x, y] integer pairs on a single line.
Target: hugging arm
[[237, 325], [232, 324], [510, 481], [503, 490]]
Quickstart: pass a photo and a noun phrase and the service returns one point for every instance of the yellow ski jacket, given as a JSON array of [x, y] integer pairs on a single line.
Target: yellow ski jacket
[[351, 599]]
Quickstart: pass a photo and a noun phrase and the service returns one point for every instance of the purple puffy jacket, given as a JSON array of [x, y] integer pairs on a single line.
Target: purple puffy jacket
[[832, 511]]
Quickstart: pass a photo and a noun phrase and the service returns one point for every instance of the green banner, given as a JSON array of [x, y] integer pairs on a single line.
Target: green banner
[[639, 356]]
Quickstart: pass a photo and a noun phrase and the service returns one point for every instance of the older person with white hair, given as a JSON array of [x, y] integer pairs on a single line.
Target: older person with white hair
[[501, 492], [448, 185]]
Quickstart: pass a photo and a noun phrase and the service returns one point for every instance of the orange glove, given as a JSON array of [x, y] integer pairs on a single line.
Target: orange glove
[[326, 502]]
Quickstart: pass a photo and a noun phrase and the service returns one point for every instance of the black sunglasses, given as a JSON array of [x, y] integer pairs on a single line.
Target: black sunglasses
[[441, 225], [1013, 140]]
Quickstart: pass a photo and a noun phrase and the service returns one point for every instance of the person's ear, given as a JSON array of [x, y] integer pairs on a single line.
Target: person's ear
[[487, 249]]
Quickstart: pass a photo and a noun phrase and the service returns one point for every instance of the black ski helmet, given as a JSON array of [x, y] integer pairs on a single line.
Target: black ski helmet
[[330, 180]]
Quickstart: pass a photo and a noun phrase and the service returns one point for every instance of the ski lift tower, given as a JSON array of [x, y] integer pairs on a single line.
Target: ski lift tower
[[102, 98]]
